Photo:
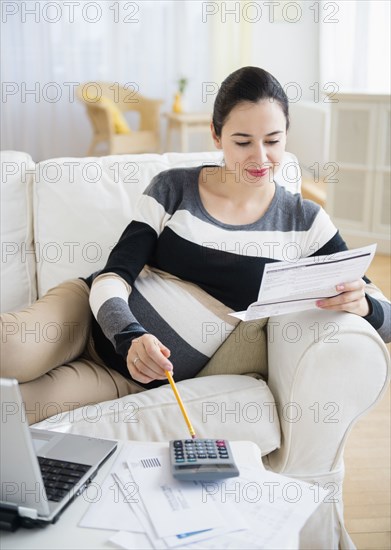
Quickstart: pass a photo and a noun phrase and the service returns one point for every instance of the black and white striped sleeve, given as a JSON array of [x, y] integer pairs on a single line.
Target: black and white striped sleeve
[[111, 288]]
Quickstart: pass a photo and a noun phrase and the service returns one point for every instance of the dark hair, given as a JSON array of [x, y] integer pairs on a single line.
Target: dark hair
[[247, 84]]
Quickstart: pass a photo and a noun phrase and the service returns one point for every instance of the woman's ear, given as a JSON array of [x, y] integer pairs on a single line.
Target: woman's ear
[[216, 140]]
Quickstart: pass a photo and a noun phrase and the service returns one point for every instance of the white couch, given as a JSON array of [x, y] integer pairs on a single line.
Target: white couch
[[59, 220]]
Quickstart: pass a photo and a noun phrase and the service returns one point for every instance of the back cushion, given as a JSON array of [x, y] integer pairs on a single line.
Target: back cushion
[[82, 206], [18, 269]]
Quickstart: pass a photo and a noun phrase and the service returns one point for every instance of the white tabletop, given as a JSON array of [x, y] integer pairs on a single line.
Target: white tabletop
[[65, 534]]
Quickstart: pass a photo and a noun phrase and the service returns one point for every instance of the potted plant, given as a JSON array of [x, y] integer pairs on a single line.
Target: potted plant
[[178, 103]]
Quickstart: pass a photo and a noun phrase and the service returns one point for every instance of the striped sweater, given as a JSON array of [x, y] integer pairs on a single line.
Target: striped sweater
[[177, 272]]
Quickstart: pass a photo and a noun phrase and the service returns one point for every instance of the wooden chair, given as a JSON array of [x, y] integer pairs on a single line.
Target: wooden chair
[[146, 139]]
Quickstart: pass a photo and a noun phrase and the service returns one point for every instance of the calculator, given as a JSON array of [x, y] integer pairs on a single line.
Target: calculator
[[202, 459]]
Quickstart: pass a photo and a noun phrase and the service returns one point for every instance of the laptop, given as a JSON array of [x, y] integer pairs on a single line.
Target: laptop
[[41, 472]]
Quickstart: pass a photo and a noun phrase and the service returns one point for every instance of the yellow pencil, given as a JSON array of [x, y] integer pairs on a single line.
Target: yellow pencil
[[180, 403]]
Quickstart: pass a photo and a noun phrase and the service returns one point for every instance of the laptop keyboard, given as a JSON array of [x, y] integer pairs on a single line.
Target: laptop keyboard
[[59, 476]]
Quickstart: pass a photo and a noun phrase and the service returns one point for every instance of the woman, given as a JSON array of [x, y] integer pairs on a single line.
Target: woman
[[194, 253], [237, 203]]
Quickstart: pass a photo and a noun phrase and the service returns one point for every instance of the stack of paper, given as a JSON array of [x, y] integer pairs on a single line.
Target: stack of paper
[[151, 509]]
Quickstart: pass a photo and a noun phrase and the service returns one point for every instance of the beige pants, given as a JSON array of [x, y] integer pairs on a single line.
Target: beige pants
[[48, 348]]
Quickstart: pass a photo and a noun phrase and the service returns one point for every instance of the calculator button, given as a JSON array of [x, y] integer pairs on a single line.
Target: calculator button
[[179, 460], [177, 443], [201, 455], [190, 455], [191, 460], [210, 455]]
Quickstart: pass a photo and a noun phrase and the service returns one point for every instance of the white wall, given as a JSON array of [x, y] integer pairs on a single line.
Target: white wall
[[170, 39], [289, 49], [283, 41]]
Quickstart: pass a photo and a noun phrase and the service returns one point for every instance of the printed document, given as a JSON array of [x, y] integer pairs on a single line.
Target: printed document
[[273, 507], [173, 506], [257, 510], [111, 510], [141, 504], [295, 286]]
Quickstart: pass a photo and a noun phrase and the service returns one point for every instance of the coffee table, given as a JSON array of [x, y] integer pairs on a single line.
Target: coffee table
[[66, 535]]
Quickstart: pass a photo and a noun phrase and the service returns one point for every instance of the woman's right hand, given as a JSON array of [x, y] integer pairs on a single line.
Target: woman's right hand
[[147, 359]]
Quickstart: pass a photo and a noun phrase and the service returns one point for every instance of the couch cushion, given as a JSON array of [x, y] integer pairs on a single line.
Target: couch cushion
[[227, 406], [82, 206], [18, 263]]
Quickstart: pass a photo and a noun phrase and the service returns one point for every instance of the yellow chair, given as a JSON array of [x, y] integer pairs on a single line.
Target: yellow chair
[[105, 102]]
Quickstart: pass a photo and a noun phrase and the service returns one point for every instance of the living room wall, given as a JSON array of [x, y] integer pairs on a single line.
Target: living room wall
[[48, 47], [45, 51]]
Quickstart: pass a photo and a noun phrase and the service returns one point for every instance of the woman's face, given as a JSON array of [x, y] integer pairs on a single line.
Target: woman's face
[[253, 140]]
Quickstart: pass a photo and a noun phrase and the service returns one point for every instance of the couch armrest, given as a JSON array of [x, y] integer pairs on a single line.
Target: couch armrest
[[326, 369]]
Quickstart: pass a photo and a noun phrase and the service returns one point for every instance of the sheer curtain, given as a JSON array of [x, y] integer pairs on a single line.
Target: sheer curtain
[[50, 47], [355, 45]]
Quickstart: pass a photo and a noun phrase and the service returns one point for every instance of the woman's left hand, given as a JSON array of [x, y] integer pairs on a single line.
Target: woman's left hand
[[352, 299]]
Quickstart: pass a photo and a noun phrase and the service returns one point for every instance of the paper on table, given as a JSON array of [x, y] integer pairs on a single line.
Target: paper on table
[[295, 286], [121, 508], [173, 506], [130, 541], [275, 506], [112, 511], [151, 540], [235, 522], [125, 480]]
